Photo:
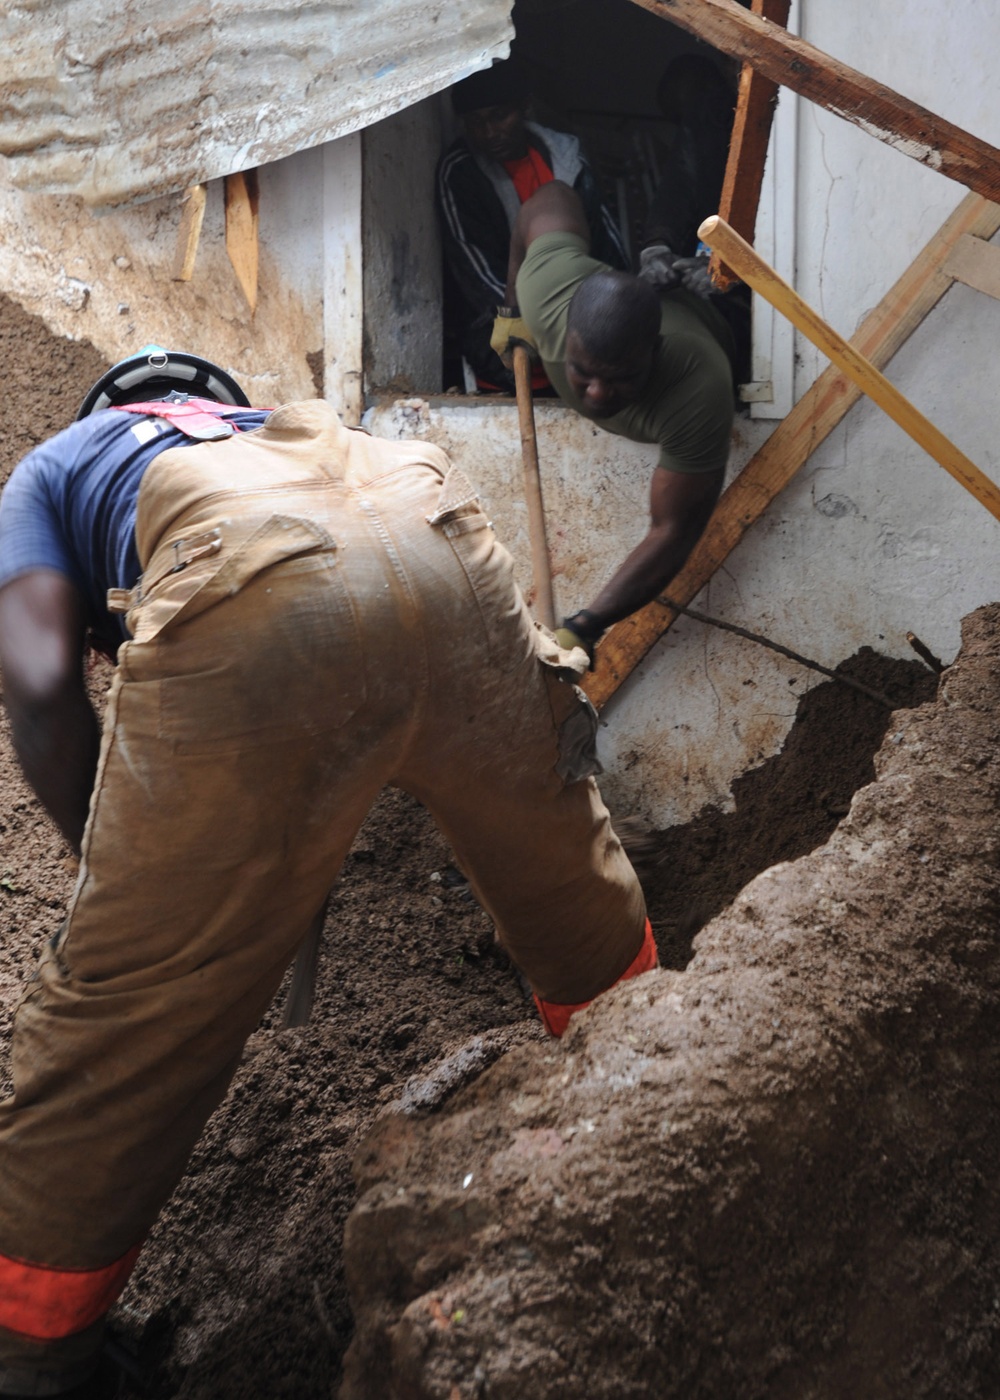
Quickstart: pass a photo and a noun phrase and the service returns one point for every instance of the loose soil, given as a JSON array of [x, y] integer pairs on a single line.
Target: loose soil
[[771, 1176], [240, 1291]]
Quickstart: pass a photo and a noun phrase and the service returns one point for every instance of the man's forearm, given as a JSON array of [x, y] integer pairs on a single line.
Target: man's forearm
[[57, 745], [681, 505], [642, 576]]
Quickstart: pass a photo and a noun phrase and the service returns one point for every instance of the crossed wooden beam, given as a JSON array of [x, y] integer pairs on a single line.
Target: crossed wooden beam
[[796, 437], [959, 251]]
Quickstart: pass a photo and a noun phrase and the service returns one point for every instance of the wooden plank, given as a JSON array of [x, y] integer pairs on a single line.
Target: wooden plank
[[343, 277], [975, 263], [189, 232], [242, 217], [748, 144], [808, 424], [765, 281], [875, 108]]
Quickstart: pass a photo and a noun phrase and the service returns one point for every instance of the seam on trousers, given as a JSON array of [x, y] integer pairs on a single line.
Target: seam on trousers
[[490, 579], [378, 524]]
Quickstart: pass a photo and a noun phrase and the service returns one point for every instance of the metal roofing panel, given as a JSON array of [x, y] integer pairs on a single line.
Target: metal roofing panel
[[119, 103]]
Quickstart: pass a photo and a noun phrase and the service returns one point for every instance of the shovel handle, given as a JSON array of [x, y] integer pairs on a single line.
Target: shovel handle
[[541, 567]]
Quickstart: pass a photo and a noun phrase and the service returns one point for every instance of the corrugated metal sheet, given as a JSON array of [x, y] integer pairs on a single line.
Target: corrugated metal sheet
[[127, 101]]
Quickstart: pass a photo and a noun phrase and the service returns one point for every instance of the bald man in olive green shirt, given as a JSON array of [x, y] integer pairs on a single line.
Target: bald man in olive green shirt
[[652, 367]]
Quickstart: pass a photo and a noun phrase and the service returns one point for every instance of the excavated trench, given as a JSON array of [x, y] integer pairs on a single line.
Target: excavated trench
[[761, 1171]]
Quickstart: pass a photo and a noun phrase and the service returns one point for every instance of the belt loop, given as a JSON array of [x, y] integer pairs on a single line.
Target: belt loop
[[120, 600], [186, 551], [183, 552]]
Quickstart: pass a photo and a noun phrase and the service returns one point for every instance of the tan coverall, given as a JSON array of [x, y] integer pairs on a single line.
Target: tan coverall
[[321, 613]]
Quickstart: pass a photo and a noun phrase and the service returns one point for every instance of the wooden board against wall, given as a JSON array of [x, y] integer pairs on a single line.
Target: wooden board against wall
[[810, 422], [189, 232], [242, 223]]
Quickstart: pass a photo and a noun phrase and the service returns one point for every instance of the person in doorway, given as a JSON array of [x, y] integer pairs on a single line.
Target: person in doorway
[[652, 367], [301, 614], [699, 100], [498, 162]]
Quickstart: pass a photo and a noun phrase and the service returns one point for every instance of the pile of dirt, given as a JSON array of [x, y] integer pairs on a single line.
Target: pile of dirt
[[787, 806], [240, 1291], [770, 1175], [45, 379]]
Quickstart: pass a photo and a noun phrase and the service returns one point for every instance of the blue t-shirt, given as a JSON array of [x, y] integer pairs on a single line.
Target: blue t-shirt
[[70, 506]]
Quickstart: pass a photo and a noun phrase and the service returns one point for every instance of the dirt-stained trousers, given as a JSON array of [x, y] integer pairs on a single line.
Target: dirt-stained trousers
[[321, 614]]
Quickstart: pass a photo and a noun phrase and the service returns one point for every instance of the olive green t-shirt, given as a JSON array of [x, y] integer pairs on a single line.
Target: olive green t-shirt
[[687, 406]]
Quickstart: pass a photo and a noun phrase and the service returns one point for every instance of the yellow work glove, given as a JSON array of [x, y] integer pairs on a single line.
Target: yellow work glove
[[510, 329], [588, 636], [568, 640]]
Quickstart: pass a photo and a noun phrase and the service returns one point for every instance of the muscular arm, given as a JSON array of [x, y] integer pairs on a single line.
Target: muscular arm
[[54, 728], [680, 504], [554, 208]]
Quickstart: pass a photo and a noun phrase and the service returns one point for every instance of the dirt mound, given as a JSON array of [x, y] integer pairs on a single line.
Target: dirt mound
[[773, 1174], [784, 808], [45, 380]]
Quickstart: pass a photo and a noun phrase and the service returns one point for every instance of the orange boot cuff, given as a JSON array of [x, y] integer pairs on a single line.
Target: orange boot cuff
[[556, 1014], [46, 1303]]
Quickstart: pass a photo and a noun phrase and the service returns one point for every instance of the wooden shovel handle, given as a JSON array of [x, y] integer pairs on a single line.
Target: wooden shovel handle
[[541, 568]]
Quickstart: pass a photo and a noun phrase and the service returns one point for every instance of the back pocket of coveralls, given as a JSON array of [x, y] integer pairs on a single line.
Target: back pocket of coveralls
[[489, 569], [281, 654]]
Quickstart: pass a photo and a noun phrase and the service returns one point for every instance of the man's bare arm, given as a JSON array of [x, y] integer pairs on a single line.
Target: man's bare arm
[[54, 728], [680, 505], [555, 208]]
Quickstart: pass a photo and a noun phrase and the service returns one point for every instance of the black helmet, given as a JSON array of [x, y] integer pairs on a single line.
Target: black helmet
[[152, 373]]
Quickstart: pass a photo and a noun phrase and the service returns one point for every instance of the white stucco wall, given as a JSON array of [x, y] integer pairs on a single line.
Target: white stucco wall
[[907, 546], [106, 278]]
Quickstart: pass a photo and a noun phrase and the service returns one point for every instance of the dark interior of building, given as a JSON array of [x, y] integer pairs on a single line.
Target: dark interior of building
[[593, 68]]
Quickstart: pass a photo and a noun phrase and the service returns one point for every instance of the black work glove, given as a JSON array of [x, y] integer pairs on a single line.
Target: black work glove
[[694, 275], [658, 266]]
